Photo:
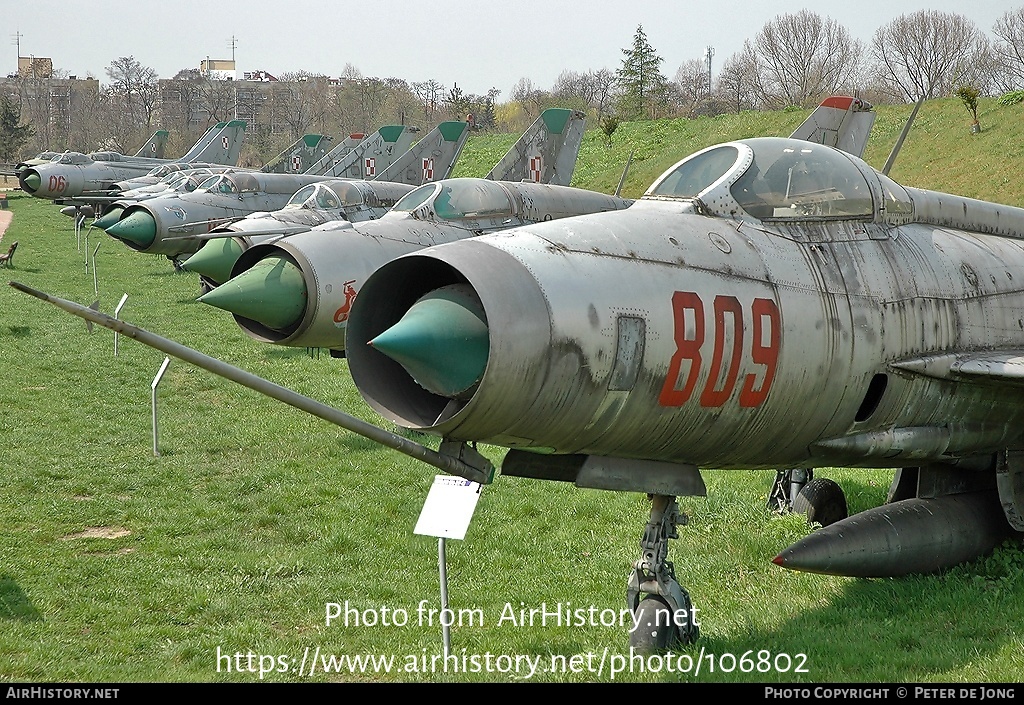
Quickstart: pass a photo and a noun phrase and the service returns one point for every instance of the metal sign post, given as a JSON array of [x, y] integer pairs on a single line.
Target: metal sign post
[[156, 381], [79, 222], [95, 285], [117, 312], [446, 514]]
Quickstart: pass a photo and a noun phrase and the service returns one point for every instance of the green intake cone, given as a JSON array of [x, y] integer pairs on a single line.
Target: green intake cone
[[272, 292], [108, 218], [442, 341], [139, 227], [32, 182], [215, 259]]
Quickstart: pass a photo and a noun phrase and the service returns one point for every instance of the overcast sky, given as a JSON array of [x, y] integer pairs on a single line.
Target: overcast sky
[[477, 44]]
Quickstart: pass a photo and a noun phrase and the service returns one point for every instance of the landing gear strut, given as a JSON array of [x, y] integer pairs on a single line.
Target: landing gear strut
[[664, 615], [797, 490], [786, 487]]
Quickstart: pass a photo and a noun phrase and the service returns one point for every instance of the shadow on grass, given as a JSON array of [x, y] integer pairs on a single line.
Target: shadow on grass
[[19, 331], [14, 603], [881, 630], [285, 353]]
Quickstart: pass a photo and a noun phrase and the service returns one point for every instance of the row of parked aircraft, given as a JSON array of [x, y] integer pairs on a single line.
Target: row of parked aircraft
[[768, 303]]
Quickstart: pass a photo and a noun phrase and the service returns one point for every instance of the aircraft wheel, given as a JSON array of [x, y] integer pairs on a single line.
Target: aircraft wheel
[[822, 500], [655, 631]]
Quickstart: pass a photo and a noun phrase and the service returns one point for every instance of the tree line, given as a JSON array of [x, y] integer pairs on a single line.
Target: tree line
[[795, 59]]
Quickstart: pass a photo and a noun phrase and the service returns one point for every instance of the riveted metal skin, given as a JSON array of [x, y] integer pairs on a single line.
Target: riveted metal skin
[[767, 330]]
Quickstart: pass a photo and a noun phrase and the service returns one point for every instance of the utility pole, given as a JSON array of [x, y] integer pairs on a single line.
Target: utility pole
[[234, 86], [710, 53]]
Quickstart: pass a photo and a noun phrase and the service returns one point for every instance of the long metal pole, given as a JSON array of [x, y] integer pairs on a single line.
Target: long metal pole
[[447, 463], [156, 383], [446, 633]]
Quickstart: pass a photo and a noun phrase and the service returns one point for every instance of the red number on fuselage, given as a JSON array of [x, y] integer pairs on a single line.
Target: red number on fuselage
[[767, 355], [688, 349]]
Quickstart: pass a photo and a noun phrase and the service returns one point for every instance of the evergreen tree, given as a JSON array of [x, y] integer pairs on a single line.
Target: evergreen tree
[[12, 136], [644, 89]]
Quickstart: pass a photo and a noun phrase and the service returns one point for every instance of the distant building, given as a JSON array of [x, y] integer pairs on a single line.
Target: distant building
[[261, 76], [50, 106], [35, 67], [218, 69]]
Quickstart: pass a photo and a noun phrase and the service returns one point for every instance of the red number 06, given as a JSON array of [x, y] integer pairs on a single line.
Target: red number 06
[[688, 349]]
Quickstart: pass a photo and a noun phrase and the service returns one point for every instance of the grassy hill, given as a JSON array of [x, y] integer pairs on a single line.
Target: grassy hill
[[939, 154]]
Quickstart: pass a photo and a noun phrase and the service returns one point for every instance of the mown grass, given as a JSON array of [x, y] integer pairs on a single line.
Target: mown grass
[[120, 566]]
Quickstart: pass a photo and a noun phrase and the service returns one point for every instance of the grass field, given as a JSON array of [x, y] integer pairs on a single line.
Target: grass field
[[117, 565]]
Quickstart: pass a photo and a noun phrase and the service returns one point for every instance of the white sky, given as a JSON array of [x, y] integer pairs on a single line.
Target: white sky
[[475, 43]]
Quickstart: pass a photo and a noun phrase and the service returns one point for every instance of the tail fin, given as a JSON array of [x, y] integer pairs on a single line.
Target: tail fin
[[225, 146], [841, 122], [430, 159], [300, 156], [200, 145], [339, 152], [547, 151], [154, 148], [374, 154]]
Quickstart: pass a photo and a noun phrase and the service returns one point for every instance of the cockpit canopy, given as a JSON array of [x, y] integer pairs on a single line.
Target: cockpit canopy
[[322, 197], [106, 156], [76, 158], [230, 183], [165, 169], [772, 178], [453, 199]]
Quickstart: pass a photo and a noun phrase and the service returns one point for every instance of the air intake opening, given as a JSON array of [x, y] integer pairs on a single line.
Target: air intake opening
[[871, 400]]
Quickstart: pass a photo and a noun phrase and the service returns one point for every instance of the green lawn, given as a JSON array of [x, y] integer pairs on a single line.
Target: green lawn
[[120, 566]]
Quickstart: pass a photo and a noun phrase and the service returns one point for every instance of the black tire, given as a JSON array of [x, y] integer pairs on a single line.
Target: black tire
[[822, 501], [655, 632]]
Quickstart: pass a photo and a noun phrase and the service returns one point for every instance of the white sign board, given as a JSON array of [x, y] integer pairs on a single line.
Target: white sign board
[[448, 508]]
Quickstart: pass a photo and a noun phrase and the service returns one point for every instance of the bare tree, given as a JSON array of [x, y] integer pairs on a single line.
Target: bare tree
[[218, 99], [691, 84], [401, 103], [736, 80], [307, 104], [802, 58], [574, 89], [529, 97], [429, 93], [928, 53], [132, 91], [604, 87], [1009, 49]]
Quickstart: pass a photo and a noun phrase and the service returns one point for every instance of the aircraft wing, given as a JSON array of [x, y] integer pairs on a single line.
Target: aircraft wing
[[273, 227]]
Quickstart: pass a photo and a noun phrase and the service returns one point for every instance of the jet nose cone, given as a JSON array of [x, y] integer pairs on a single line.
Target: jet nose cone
[[215, 259], [108, 218], [273, 292], [138, 228], [442, 341], [31, 182]]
